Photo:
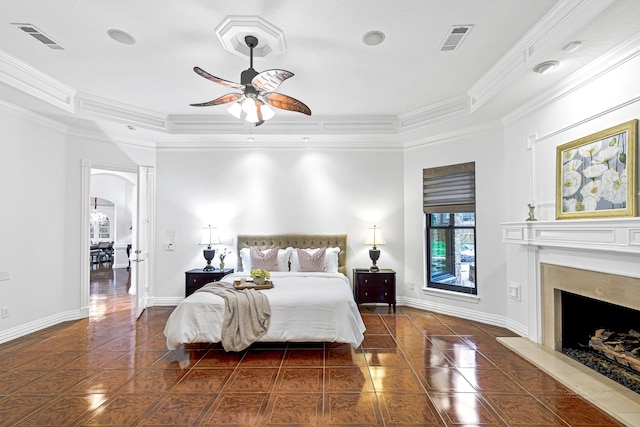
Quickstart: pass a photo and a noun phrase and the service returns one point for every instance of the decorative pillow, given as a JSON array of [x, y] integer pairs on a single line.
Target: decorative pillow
[[267, 260], [330, 259], [283, 259], [311, 261]]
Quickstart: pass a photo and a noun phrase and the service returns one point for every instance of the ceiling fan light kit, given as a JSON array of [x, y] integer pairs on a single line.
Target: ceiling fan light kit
[[257, 92]]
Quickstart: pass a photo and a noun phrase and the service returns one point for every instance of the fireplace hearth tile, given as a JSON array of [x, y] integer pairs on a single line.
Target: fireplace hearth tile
[[613, 398]]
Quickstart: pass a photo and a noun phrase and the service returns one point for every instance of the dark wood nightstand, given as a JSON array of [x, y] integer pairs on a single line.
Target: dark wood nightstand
[[195, 279], [374, 286]]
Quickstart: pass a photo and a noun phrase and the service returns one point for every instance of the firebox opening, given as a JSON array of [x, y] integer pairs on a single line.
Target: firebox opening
[[582, 316], [582, 320]]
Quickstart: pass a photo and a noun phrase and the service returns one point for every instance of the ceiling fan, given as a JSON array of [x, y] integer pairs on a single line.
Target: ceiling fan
[[256, 92]]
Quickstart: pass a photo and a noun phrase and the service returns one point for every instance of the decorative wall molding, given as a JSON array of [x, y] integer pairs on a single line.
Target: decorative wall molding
[[602, 235]]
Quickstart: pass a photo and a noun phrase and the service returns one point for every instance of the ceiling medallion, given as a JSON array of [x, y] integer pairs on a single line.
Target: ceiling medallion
[[233, 29]]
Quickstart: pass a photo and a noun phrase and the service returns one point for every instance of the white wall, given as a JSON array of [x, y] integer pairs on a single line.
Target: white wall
[[32, 232], [598, 104], [485, 148], [303, 190], [40, 232]]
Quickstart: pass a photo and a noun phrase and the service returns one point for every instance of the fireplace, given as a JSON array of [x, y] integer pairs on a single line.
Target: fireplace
[[579, 302], [582, 316], [608, 291], [591, 258]]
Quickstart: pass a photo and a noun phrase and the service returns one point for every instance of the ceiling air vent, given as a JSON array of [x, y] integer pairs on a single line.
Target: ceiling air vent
[[455, 37], [39, 35]]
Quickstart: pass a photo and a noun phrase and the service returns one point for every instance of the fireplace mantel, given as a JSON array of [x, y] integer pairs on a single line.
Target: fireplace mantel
[[604, 235]]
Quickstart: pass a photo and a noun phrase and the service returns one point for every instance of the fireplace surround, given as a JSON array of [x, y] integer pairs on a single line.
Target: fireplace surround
[[596, 258], [614, 289]]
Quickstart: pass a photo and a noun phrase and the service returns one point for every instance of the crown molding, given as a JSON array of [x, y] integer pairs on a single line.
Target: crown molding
[[30, 116], [552, 30], [604, 64], [560, 22], [273, 144], [34, 82], [464, 132], [92, 105], [427, 115]]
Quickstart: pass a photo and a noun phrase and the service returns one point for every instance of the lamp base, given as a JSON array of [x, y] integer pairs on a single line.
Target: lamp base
[[209, 253], [374, 254]]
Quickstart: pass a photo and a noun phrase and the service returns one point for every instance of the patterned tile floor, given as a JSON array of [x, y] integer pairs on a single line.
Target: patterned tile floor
[[414, 368]]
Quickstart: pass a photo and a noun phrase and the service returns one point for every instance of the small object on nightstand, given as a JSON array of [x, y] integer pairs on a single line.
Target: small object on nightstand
[[197, 278], [375, 286]]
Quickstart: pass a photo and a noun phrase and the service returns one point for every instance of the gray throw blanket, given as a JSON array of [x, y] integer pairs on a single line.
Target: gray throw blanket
[[246, 315]]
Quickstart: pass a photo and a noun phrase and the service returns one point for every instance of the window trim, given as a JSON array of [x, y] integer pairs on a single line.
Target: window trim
[[451, 227], [449, 190]]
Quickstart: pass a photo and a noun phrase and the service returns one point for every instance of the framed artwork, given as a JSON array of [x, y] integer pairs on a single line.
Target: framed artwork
[[596, 175]]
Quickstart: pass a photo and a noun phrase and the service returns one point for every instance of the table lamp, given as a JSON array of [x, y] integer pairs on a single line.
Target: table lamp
[[209, 237], [374, 237]]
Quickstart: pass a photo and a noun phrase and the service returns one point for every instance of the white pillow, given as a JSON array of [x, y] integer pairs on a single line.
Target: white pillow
[[330, 259], [283, 259]]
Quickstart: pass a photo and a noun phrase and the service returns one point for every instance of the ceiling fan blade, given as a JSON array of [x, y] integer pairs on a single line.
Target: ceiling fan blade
[[285, 102], [268, 81], [223, 82], [259, 111], [224, 99]]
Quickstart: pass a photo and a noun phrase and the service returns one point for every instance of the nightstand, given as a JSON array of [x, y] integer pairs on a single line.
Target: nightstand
[[195, 279], [374, 286]]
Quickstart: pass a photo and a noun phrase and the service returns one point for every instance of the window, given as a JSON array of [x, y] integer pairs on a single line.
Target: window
[[449, 209]]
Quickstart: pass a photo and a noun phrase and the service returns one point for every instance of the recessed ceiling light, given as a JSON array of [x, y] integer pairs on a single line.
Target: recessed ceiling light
[[572, 47], [373, 38], [306, 138], [121, 36], [545, 67], [250, 138]]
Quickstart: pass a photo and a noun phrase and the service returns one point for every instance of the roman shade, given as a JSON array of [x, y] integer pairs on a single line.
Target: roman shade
[[449, 189]]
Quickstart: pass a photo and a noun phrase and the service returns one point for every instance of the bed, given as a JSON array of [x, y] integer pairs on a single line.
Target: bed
[[305, 305]]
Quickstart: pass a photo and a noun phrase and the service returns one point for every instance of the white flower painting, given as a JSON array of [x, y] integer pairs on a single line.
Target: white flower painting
[[593, 173]]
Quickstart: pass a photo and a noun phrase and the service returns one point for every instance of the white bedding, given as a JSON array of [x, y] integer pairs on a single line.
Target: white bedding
[[305, 307]]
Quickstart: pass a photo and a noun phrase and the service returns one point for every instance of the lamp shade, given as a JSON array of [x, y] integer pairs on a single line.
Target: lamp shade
[[209, 236], [374, 237]]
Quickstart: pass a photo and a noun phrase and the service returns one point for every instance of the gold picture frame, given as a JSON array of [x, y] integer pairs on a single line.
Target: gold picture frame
[[596, 175]]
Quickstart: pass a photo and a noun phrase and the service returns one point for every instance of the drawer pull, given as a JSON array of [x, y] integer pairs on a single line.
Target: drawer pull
[[366, 294], [385, 294]]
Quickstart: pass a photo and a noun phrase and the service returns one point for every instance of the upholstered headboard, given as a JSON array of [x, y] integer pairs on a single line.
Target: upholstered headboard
[[302, 241]]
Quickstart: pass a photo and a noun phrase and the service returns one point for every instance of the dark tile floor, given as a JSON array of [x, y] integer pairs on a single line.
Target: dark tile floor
[[414, 368]]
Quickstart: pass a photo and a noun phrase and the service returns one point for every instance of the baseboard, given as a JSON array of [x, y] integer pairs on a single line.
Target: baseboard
[[478, 316], [38, 325], [517, 328], [166, 301]]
